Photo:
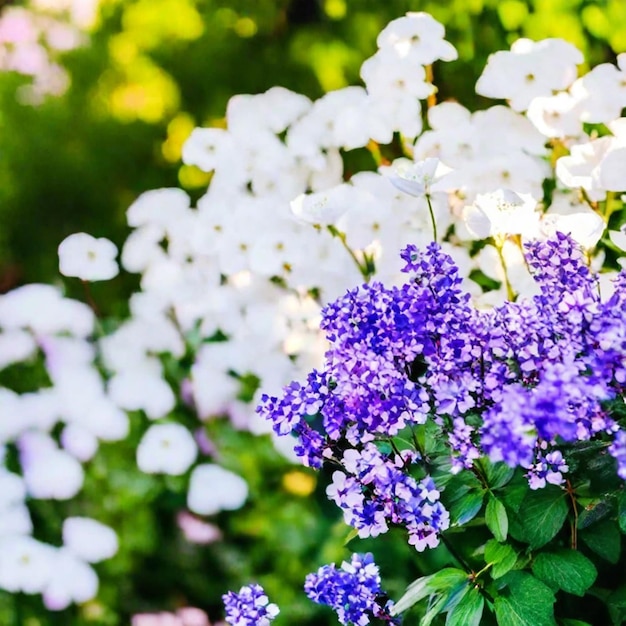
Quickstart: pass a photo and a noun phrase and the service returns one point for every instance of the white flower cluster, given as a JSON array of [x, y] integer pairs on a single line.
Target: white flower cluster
[[236, 283], [32, 36]]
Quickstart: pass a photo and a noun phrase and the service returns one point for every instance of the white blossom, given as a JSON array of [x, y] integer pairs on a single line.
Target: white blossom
[[85, 257]]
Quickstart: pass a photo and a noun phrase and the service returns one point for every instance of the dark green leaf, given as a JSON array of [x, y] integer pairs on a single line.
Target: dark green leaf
[[466, 508], [541, 516], [593, 512], [616, 602], [574, 622], [496, 518], [502, 556], [568, 570], [525, 602], [601, 470], [621, 511], [604, 539], [516, 490], [468, 611], [445, 579]]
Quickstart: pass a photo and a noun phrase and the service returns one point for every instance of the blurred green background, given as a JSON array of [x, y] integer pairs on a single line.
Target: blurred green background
[[150, 72]]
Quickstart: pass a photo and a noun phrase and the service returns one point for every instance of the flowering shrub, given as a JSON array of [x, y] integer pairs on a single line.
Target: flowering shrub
[[484, 395]]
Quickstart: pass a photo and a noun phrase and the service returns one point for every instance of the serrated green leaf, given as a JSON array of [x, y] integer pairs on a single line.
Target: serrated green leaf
[[496, 518], [568, 570], [604, 539], [468, 610], [541, 516], [502, 556], [445, 579], [525, 602], [466, 508]]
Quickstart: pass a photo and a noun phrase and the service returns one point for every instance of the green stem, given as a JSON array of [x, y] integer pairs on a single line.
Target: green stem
[[342, 237], [510, 294], [432, 217]]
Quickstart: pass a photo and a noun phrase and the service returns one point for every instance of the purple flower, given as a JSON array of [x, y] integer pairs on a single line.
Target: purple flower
[[353, 591], [249, 607]]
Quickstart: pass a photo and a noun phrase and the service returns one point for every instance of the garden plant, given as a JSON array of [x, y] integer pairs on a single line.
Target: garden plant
[[445, 287]]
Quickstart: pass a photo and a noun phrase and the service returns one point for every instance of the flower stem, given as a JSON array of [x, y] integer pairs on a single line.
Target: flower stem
[[432, 217], [363, 267], [510, 294]]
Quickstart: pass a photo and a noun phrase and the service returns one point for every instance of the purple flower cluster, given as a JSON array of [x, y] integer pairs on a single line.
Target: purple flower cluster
[[374, 490], [510, 383], [249, 607], [353, 591]]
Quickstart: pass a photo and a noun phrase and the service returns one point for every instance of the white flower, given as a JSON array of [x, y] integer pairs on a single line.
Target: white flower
[[15, 520], [581, 168], [389, 77], [166, 449], [85, 257], [556, 116], [418, 36], [143, 388], [89, 539], [416, 179], [72, 581], [79, 442], [25, 564], [601, 93], [49, 473], [323, 207], [213, 489], [23, 307], [528, 70], [16, 346], [568, 215], [499, 214]]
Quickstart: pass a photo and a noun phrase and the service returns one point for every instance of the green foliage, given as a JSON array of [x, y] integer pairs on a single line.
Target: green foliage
[[525, 601], [496, 518], [541, 515], [502, 558], [568, 570]]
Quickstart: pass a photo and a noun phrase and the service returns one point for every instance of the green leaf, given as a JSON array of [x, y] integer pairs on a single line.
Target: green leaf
[[541, 516], [497, 474], [446, 599], [616, 603], [604, 539], [466, 508], [525, 602], [445, 579], [468, 611], [568, 570], [516, 490], [496, 518], [502, 556], [621, 511], [593, 512], [574, 622]]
